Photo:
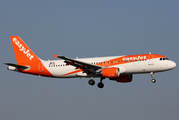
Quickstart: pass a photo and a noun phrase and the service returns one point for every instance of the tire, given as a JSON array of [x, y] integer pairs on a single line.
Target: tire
[[153, 80], [100, 85], [91, 82]]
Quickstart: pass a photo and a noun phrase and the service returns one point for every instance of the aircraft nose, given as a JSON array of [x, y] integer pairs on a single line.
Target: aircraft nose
[[173, 64]]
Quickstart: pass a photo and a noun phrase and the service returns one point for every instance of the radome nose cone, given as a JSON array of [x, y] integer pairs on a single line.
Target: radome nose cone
[[174, 64]]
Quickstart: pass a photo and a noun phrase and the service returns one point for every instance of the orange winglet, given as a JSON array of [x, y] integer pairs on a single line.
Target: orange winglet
[[55, 56]]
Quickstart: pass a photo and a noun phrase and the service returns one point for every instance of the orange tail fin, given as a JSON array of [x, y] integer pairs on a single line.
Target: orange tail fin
[[22, 52]]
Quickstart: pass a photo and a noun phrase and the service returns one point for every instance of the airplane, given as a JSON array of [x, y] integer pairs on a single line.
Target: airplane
[[116, 68]]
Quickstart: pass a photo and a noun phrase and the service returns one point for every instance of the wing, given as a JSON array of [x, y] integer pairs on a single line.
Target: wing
[[86, 67]]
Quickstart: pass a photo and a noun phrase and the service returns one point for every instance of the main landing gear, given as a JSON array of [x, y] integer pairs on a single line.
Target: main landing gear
[[152, 75], [91, 81], [100, 84]]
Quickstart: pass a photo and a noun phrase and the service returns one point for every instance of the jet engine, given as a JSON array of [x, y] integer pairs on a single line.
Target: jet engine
[[110, 72]]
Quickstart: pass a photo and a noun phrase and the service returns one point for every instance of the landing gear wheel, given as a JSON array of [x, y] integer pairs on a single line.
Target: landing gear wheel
[[100, 85], [152, 76], [153, 80], [91, 82]]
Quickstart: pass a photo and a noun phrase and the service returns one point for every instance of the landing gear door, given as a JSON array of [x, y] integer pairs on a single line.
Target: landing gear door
[[151, 60]]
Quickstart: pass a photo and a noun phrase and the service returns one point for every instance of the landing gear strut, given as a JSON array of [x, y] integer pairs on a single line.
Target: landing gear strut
[[100, 84], [152, 75], [91, 81]]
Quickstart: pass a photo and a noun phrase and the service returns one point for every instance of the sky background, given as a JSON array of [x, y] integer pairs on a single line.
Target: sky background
[[89, 28]]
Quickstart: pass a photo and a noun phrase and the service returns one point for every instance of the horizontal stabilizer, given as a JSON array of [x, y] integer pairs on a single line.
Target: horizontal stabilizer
[[17, 66]]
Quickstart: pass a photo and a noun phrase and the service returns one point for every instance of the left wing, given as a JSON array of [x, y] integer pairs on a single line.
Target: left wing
[[86, 67]]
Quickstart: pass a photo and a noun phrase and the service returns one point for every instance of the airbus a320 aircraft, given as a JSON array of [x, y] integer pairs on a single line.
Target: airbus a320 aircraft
[[116, 68]]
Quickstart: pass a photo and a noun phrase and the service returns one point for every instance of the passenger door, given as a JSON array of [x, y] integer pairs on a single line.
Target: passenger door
[[151, 60]]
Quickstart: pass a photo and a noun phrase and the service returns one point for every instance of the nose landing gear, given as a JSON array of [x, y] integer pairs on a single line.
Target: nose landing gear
[[153, 80], [152, 75]]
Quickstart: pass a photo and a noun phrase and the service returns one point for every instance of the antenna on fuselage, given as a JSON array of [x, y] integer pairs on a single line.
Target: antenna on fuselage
[[150, 53]]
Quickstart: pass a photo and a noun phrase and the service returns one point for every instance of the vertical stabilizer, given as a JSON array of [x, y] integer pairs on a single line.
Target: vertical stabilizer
[[22, 52], [27, 61]]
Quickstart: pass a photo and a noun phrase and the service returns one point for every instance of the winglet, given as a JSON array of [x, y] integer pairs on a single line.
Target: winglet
[[55, 56]]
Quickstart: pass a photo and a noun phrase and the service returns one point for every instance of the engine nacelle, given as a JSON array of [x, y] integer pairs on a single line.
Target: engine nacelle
[[123, 78], [111, 72]]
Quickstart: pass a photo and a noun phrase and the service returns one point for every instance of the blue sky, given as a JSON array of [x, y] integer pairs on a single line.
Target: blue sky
[[89, 29]]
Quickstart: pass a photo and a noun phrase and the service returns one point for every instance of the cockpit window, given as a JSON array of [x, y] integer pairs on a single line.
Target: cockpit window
[[164, 59]]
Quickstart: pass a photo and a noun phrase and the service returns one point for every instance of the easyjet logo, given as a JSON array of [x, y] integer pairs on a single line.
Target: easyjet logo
[[23, 49], [134, 58]]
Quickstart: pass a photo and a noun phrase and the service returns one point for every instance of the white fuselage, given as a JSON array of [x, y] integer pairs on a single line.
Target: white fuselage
[[59, 69]]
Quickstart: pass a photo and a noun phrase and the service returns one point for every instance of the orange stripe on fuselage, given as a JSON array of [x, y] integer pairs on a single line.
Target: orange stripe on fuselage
[[34, 69], [124, 60], [129, 59], [76, 71]]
